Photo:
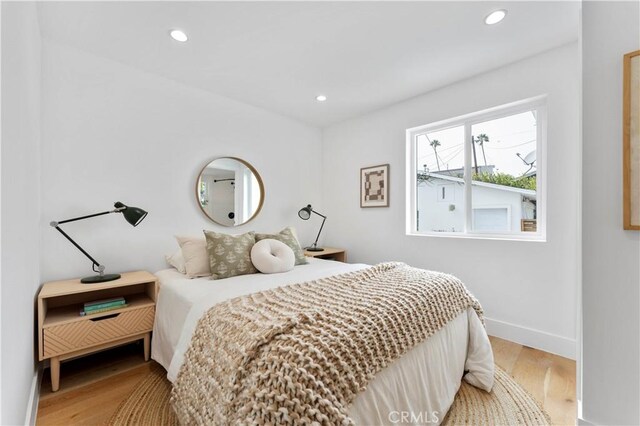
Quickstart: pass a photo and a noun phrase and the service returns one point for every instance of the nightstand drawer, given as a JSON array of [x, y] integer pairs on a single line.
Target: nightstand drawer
[[72, 336]]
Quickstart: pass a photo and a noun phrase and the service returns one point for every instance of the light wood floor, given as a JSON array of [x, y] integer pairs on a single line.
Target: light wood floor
[[91, 388], [551, 379]]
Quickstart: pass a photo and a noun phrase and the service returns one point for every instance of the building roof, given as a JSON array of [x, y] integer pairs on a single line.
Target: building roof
[[527, 192], [460, 171]]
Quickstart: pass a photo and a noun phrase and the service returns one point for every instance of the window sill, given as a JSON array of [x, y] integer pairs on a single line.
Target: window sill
[[497, 237]]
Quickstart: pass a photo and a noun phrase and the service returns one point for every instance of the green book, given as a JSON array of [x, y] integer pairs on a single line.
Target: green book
[[104, 305], [103, 301], [84, 312]]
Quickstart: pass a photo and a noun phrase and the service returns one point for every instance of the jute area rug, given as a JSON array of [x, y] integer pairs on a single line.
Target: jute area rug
[[507, 404]]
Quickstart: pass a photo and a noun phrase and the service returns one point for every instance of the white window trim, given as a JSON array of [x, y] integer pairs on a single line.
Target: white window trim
[[538, 103]]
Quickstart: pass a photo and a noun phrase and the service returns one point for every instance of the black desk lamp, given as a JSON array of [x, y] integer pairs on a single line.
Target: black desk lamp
[[133, 215], [305, 214]]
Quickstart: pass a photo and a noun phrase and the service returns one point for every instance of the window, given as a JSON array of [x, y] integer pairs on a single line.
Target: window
[[479, 175]]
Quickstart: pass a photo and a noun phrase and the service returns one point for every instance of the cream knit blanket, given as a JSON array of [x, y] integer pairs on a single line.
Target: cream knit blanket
[[300, 354]]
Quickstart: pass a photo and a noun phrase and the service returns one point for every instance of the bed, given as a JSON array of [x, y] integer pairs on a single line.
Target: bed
[[417, 388]]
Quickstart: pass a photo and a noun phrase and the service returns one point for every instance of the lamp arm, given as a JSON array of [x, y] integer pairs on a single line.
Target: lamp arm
[[321, 215], [86, 217], [95, 262], [315, 244]]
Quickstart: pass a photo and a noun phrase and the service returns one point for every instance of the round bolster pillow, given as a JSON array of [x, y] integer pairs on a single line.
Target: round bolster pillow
[[272, 256]]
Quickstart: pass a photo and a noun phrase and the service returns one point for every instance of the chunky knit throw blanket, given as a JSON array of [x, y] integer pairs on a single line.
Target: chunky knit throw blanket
[[300, 354]]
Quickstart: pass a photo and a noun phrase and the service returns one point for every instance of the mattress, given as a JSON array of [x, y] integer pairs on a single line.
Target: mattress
[[418, 388]]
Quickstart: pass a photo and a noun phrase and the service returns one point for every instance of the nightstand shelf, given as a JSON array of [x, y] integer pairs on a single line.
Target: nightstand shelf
[[329, 253], [63, 333], [70, 314]]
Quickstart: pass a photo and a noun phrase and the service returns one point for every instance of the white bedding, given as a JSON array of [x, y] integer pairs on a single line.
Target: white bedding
[[418, 388]]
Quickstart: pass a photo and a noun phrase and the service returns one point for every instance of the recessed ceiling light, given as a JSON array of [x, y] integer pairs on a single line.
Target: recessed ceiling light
[[495, 17], [178, 35], [321, 98]]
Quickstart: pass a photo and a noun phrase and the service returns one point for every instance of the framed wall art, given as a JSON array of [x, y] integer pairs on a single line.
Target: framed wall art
[[631, 141], [374, 186]]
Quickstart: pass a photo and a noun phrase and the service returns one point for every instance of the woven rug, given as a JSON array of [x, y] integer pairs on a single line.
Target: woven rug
[[507, 404]]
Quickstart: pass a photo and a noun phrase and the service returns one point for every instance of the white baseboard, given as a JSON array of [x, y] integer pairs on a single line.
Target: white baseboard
[[34, 398], [533, 338], [580, 421]]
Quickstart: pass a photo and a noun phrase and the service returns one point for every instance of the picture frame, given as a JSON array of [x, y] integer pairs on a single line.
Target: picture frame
[[631, 141], [374, 186]]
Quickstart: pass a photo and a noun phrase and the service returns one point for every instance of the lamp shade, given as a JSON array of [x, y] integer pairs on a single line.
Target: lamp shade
[[133, 215], [305, 212]]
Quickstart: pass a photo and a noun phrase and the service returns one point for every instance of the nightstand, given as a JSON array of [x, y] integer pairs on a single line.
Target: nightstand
[[64, 334], [329, 253]]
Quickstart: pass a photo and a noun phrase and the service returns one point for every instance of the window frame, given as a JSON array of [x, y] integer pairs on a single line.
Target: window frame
[[539, 104]]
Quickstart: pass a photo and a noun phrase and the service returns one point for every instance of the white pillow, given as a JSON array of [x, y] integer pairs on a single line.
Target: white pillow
[[272, 256], [177, 261], [196, 257]]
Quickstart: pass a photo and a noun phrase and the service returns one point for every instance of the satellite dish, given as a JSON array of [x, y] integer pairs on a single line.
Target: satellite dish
[[528, 159]]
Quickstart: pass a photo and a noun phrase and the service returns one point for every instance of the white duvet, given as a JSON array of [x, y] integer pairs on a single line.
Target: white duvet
[[418, 388]]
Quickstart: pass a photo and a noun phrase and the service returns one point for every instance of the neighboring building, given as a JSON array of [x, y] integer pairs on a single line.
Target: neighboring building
[[460, 171], [496, 208]]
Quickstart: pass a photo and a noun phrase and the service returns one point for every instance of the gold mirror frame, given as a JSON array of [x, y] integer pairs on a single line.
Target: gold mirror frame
[[255, 173]]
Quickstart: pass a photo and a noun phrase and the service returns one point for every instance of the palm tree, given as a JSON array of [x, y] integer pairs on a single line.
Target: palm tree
[[435, 144], [480, 140]]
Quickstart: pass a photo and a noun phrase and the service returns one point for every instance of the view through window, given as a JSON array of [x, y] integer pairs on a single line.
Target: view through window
[[479, 174]]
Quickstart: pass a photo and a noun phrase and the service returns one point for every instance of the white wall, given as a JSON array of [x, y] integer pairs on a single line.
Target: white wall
[[113, 133], [528, 289], [20, 204], [434, 213], [611, 256]]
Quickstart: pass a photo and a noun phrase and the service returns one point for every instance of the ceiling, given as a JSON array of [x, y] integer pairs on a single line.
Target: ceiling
[[280, 55]]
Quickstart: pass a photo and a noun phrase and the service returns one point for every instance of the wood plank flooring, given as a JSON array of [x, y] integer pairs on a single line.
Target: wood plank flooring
[[91, 388], [551, 379]]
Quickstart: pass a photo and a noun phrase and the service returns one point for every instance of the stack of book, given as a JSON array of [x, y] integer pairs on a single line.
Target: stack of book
[[103, 306]]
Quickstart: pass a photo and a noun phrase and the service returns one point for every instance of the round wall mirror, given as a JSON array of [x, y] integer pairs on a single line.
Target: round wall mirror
[[230, 191]]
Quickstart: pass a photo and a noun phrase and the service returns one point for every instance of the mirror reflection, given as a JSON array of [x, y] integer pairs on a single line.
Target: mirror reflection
[[230, 191]]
